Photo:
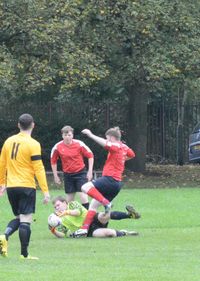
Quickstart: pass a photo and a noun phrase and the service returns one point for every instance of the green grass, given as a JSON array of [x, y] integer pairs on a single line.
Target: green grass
[[167, 249]]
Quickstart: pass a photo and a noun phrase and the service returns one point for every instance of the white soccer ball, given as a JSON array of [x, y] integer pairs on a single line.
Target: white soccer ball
[[54, 220]]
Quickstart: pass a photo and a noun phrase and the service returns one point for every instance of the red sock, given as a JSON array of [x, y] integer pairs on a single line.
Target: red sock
[[94, 193], [88, 220]]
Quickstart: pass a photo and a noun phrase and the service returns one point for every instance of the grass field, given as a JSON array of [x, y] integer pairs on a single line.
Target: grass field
[[167, 249]]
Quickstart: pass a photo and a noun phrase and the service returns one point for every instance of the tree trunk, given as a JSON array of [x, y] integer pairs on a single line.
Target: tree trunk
[[137, 127]]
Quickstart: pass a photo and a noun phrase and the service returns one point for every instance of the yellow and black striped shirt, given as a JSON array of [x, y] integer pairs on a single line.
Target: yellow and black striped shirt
[[20, 163]]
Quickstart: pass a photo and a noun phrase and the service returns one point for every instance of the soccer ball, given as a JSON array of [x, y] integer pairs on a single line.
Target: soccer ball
[[54, 220]]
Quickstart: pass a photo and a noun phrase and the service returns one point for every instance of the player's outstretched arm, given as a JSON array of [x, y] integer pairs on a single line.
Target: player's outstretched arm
[[99, 140], [73, 213]]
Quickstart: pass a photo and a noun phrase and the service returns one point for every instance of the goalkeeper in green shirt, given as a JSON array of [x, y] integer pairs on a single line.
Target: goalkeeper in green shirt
[[69, 217]]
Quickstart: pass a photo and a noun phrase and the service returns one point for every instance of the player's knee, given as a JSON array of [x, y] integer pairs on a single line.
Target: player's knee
[[83, 197], [110, 233], [86, 187], [103, 218], [26, 218]]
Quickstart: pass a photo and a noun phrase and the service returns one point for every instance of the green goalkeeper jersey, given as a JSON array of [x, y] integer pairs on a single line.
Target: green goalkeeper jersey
[[72, 223]]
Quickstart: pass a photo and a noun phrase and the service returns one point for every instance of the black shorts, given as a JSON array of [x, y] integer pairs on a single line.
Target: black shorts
[[108, 187], [74, 181], [96, 224], [22, 200]]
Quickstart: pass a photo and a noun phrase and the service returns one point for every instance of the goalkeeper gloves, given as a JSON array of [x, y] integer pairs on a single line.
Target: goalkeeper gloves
[[52, 229]]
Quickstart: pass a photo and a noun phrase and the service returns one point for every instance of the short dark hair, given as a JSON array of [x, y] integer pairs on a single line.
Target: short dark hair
[[58, 198], [25, 121], [67, 129]]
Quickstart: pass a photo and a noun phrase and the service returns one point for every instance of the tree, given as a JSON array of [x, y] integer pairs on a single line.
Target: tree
[[121, 48], [40, 51], [143, 42]]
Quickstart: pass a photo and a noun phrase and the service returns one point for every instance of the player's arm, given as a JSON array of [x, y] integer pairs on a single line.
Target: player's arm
[[56, 233], [55, 173], [75, 208], [54, 159], [60, 233], [73, 213], [90, 168], [87, 153], [130, 154], [39, 171], [3, 167], [99, 140]]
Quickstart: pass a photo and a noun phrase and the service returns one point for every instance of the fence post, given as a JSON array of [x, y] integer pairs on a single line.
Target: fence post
[[163, 129], [179, 148], [107, 115]]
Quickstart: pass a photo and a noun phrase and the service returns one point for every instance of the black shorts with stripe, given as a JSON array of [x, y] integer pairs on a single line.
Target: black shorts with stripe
[[22, 200]]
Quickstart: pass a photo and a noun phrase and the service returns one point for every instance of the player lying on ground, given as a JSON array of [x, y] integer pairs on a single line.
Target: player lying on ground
[[69, 217]]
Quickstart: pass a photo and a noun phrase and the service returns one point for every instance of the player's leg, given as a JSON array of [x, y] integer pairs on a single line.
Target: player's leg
[[104, 219], [94, 204], [25, 233], [80, 179], [131, 213], [3, 246], [107, 187], [104, 190], [84, 200], [13, 225], [100, 231], [26, 208], [98, 227], [90, 189], [104, 232], [70, 188], [70, 197], [125, 232], [109, 232], [91, 213]]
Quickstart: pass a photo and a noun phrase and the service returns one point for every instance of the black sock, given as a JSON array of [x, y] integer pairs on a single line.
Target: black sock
[[24, 236], [12, 226], [120, 233], [86, 205], [119, 215]]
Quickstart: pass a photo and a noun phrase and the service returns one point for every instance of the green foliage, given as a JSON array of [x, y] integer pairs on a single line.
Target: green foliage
[[7, 72], [41, 37], [128, 51], [65, 45], [145, 41]]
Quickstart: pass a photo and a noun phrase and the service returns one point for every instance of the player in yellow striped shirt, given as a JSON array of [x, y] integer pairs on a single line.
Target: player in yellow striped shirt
[[20, 163]]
